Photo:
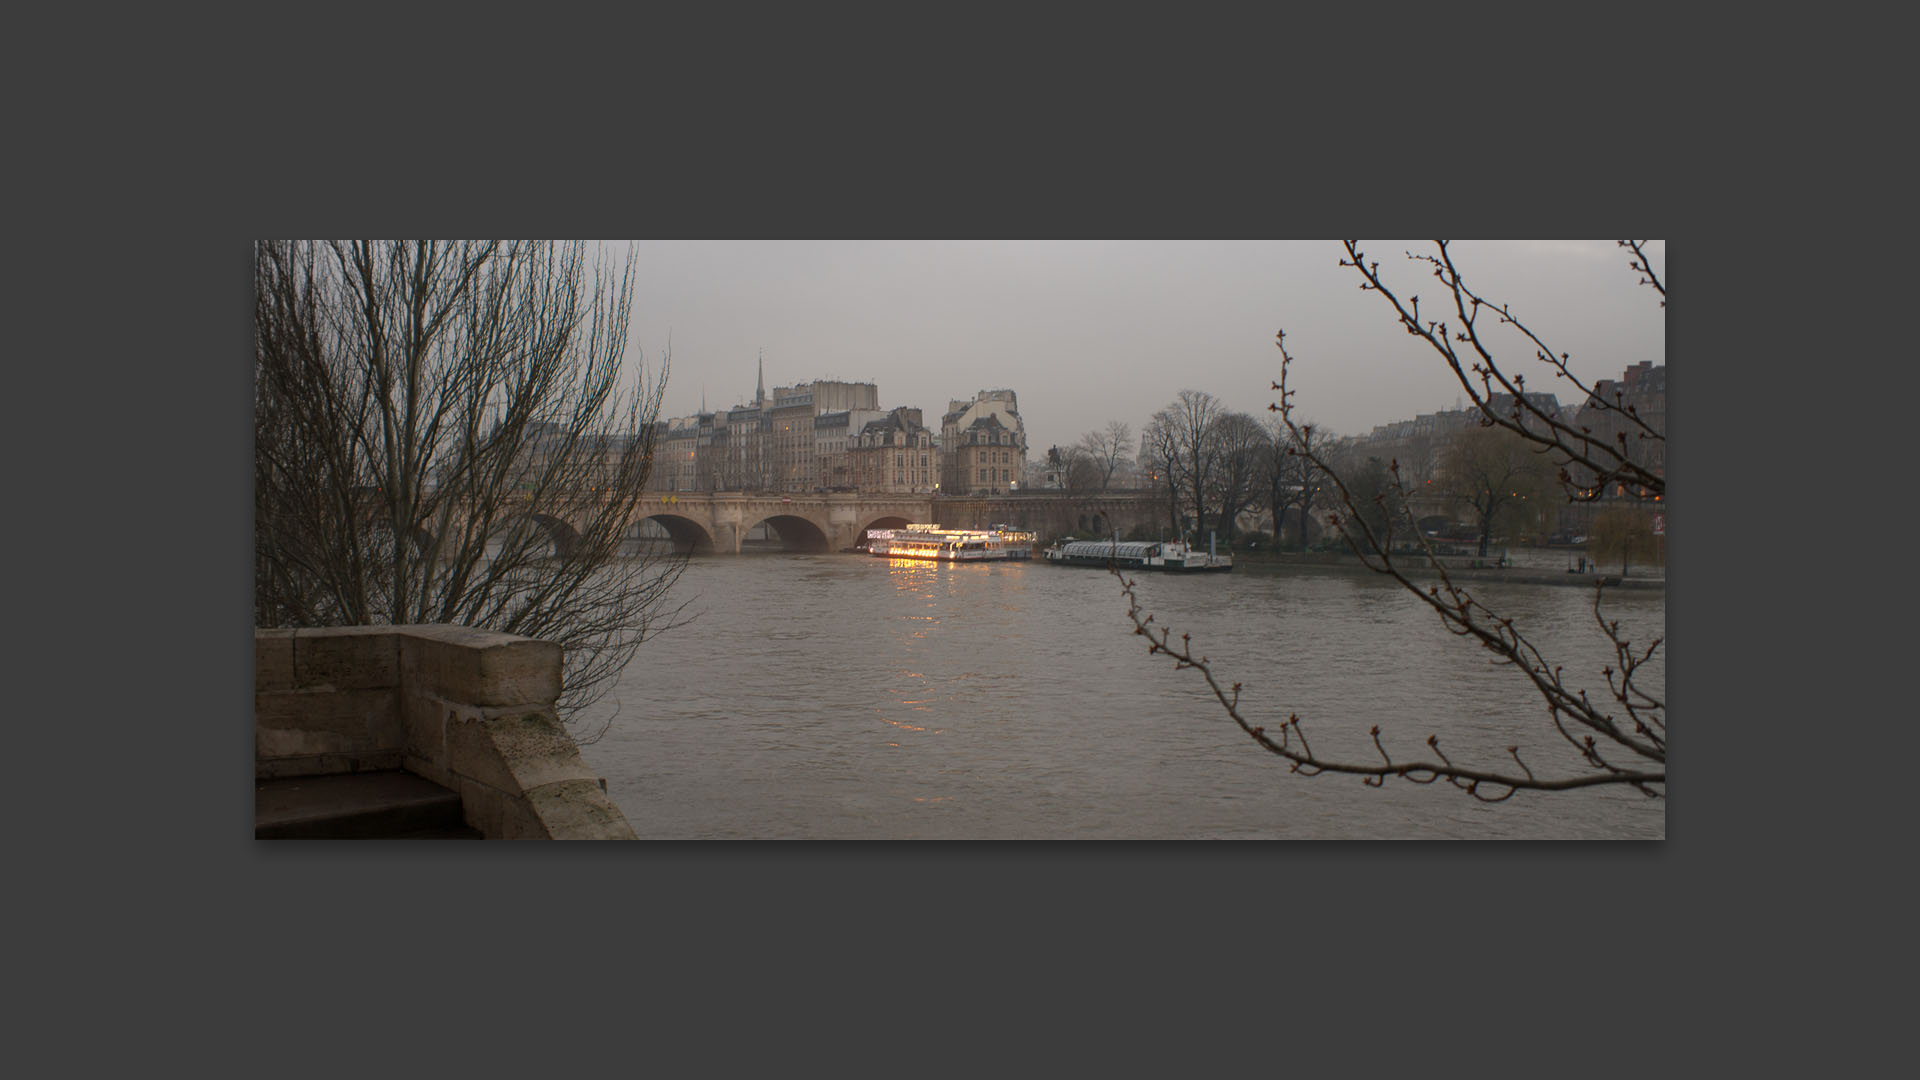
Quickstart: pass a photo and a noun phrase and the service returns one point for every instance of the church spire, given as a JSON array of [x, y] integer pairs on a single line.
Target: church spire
[[760, 390]]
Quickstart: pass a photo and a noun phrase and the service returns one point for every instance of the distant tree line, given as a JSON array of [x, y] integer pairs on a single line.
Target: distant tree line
[[1220, 471]]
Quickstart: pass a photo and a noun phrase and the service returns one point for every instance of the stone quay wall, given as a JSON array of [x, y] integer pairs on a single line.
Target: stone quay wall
[[471, 710]]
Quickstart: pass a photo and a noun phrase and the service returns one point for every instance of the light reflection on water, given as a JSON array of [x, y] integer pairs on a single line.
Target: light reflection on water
[[835, 696]]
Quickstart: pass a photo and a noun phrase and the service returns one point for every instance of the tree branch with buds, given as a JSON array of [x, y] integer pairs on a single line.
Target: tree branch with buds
[[1603, 458]]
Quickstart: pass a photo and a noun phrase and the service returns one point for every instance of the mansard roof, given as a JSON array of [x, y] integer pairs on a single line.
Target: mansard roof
[[987, 429]]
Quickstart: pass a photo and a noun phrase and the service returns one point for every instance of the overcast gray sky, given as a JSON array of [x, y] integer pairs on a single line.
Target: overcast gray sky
[[1092, 331]]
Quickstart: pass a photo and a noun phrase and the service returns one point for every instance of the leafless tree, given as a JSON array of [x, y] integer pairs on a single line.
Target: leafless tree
[[1293, 480], [1623, 532], [1620, 736], [1078, 474], [1160, 456], [1371, 484], [1107, 448], [1419, 459], [1495, 473], [1241, 445], [1185, 435], [443, 434]]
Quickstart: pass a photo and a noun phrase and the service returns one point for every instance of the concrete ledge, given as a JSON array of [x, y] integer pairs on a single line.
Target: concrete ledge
[[272, 660], [534, 748], [423, 725], [579, 810], [347, 658], [479, 667], [322, 721], [469, 710], [485, 808]]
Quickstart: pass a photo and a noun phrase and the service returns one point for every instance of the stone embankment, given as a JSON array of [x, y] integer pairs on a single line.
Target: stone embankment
[[418, 731]]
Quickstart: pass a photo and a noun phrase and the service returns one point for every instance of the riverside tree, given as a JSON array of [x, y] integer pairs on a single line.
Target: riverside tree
[[1623, 534], [1618, 731], [443, 434], [1497, 475], [1209, 460], [1105, 449], [1240, 446], [1371, 483], [1079, 473], [1293, 481], [1184, 439], [1160, 457]]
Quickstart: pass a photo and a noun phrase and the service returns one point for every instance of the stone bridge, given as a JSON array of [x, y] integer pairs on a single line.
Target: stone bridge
[[718, 523]]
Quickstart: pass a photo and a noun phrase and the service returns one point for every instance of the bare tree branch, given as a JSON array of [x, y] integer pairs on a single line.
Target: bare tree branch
[[1598, 462]]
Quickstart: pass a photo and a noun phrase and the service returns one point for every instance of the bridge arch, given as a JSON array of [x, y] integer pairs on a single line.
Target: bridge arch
[[796, 533], [556, 532], [686, 534], [1095, 523], [562, 533], [884, 521]]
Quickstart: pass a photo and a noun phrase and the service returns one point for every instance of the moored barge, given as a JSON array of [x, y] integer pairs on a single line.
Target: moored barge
[[1173, 556]]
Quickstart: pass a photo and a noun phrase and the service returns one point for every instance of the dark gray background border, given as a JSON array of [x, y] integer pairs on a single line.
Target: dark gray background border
[[530, 952]]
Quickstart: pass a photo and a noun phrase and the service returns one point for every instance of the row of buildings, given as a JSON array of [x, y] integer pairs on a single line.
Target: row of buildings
[[828, 435], [1641, 388]]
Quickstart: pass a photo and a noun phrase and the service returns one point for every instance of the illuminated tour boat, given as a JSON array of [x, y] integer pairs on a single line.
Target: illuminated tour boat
[[953, 545]]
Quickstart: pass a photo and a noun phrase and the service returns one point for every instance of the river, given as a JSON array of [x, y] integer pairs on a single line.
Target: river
[[847, 697]]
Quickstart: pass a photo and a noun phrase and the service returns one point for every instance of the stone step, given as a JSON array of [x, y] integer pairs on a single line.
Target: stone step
[[388, 804]]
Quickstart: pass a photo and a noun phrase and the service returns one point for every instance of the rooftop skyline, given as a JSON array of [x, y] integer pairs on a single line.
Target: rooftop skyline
[[1087, 332]]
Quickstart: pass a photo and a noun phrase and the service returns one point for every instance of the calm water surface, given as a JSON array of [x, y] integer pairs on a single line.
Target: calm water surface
[[846, 697]]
